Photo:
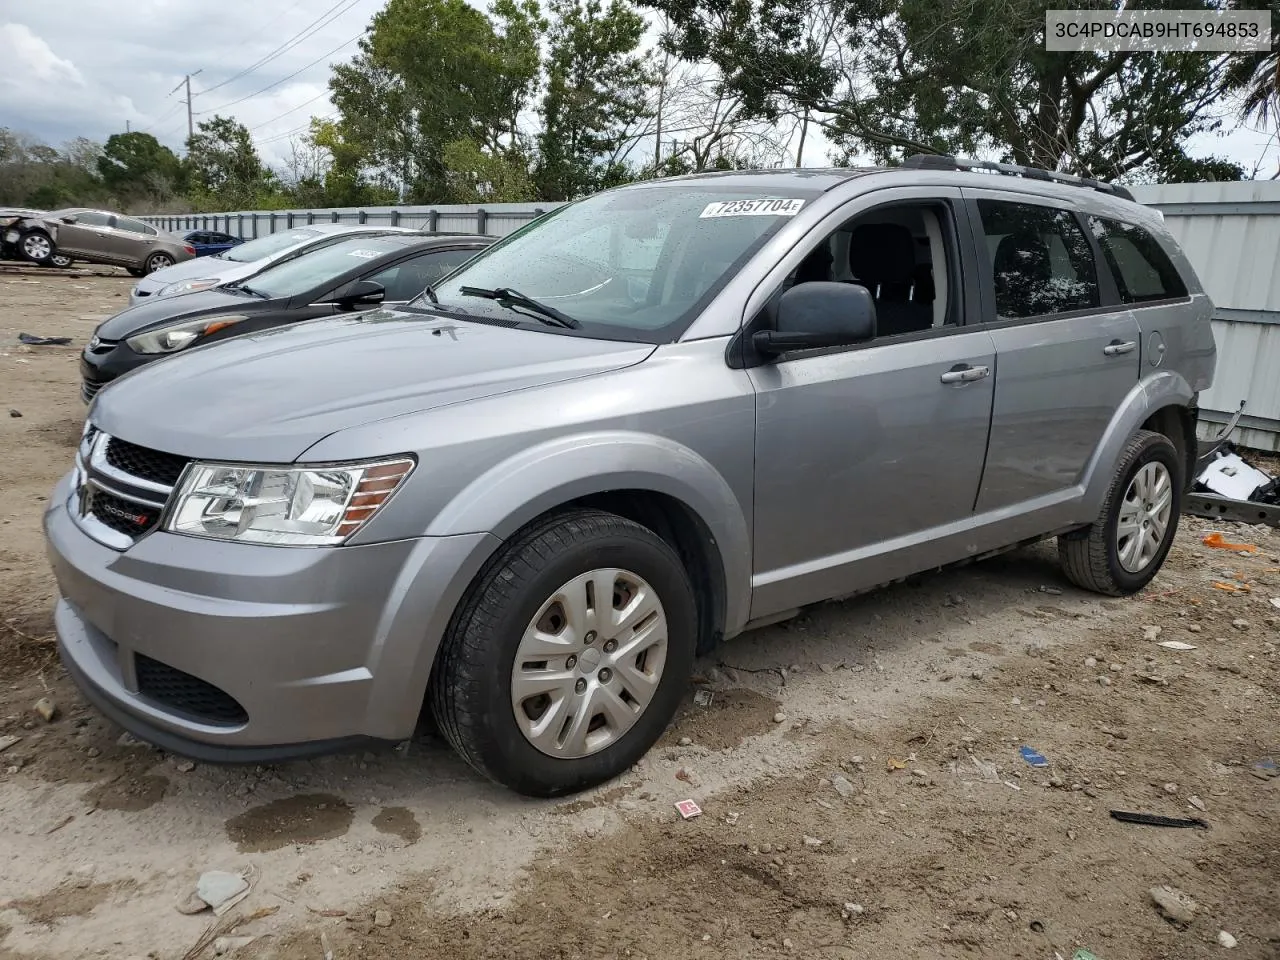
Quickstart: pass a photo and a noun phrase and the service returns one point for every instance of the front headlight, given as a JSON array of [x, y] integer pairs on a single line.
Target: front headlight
[[180, 335], [187, 286], [283, 506]]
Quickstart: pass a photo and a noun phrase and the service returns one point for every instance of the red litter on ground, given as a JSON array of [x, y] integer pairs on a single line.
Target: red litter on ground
[[688, 809]]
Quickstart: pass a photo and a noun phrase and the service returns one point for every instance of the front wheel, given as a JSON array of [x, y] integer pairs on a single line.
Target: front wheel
[[59, 260], [1123, 550], [158, 261], [568, 656], [36, 246]]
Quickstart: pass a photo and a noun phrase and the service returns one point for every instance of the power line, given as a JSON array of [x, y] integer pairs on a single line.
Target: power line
[[272, 86], [292, 42], [267, 123]]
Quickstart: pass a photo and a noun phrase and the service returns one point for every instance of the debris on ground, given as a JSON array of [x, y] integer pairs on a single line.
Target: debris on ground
[[326, 949], [221, 890], [1033, 757], [1218, 542], [8, 741], [1155, 820], [32, 340], [704, 697], [225, 945], [1176, 645], [688, 809], [1265, 768], [779, 717], [382, 918], [46, 709], [14, 413], [1226, 940], [842, 785], [1173, 904]]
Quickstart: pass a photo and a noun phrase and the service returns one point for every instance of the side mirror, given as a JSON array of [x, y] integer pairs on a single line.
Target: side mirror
[[819, 314], [361, 293], [69, 218]]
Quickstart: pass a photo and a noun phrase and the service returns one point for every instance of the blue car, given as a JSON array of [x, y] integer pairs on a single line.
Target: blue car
[[210, 242]]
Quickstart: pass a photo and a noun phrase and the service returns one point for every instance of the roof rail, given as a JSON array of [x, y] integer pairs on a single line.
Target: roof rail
[[939, 161]]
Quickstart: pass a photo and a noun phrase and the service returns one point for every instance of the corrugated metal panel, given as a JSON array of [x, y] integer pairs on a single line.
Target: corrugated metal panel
[[1231, 234]]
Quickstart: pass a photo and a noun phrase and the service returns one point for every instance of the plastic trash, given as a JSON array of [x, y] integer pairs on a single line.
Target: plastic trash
[[1033, 757], [1216, 541]]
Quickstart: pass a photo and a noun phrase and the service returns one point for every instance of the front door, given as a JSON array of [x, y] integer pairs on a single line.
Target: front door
[[88, 235], [865, 455], [1066, 361]]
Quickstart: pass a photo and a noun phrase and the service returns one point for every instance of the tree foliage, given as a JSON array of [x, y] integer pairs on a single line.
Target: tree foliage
[[895, 77]]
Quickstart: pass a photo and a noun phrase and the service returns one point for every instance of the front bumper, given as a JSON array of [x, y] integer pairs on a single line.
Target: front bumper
[[227, 651]]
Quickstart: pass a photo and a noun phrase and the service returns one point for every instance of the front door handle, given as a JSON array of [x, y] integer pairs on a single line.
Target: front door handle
[[964, 373], [1117, 347]]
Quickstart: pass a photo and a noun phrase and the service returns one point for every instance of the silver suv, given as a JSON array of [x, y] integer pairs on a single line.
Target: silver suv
[[648, 421]]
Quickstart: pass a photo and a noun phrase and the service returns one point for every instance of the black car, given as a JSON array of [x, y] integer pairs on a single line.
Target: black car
[[354, 274]]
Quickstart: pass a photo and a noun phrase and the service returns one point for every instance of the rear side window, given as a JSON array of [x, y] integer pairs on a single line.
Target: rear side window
[[1142, 269], [1041, 261]]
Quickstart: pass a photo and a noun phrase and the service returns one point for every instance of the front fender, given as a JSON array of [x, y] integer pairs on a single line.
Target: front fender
[[1164, 388], [541, 478]]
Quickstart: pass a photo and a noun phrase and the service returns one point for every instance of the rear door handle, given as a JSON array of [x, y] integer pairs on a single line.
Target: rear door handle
[[1117, 347], [964, 373]]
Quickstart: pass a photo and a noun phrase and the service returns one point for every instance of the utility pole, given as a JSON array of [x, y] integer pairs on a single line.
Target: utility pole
[[186, 81]]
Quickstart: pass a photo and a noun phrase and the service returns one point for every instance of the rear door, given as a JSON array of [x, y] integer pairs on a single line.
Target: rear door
[[1066, 352], [133, 241]]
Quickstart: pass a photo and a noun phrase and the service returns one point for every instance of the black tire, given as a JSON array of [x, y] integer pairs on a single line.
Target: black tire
[[470, 688], [59, 260], [1091, 558], [151, 266], [36, 234], [136, 271]]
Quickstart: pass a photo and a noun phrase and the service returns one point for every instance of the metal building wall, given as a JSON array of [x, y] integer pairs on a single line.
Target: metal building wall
[[1231, 234]]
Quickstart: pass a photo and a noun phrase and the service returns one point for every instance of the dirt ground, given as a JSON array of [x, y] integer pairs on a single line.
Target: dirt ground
[[859, 773]]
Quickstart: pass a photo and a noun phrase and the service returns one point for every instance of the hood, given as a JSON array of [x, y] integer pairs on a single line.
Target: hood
[[269, 396], [197, 267], [148, 312]]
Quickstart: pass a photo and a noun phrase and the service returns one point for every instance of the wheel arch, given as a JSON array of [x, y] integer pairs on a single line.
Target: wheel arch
[[1161, 402], [652, 480]]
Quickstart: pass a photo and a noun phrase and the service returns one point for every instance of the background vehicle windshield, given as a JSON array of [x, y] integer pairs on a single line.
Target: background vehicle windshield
[[633, 264], [268, 246], [311, 270]]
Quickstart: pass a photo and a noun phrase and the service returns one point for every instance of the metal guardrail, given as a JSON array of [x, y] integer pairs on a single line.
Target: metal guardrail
[[493, 219]]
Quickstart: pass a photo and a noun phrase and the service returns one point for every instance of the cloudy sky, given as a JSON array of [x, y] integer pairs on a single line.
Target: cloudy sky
[[87, 67]]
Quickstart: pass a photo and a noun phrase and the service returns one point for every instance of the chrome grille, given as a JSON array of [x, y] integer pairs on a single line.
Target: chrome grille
[[121, 489]]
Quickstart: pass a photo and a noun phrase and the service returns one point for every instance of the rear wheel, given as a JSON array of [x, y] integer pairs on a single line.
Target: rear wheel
[[1123, 550], [36, 246], [569, 655], [158, 261]]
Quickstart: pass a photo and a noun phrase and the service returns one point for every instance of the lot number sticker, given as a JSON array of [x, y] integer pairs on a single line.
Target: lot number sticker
[[765, 207], [363, 254]]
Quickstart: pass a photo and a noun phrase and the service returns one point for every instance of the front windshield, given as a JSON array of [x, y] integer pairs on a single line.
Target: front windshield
[[311, 270], [268, 246], [637, 263]]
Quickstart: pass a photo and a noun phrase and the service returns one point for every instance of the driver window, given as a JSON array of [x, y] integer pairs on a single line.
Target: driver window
[[900, 254]]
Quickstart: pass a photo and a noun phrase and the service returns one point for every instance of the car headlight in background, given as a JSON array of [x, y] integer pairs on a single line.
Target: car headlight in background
[[180, 335], [283, 506], [187, 286]]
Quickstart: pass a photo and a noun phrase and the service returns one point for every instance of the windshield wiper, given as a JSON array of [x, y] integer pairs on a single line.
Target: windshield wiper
[[549, 315], [249, 290]]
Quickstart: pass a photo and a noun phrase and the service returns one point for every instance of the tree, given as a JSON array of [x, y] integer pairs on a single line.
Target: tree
[[895, 77], [477, 176], [223, 167], [435, 72], [136, 165], [597, 89]]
